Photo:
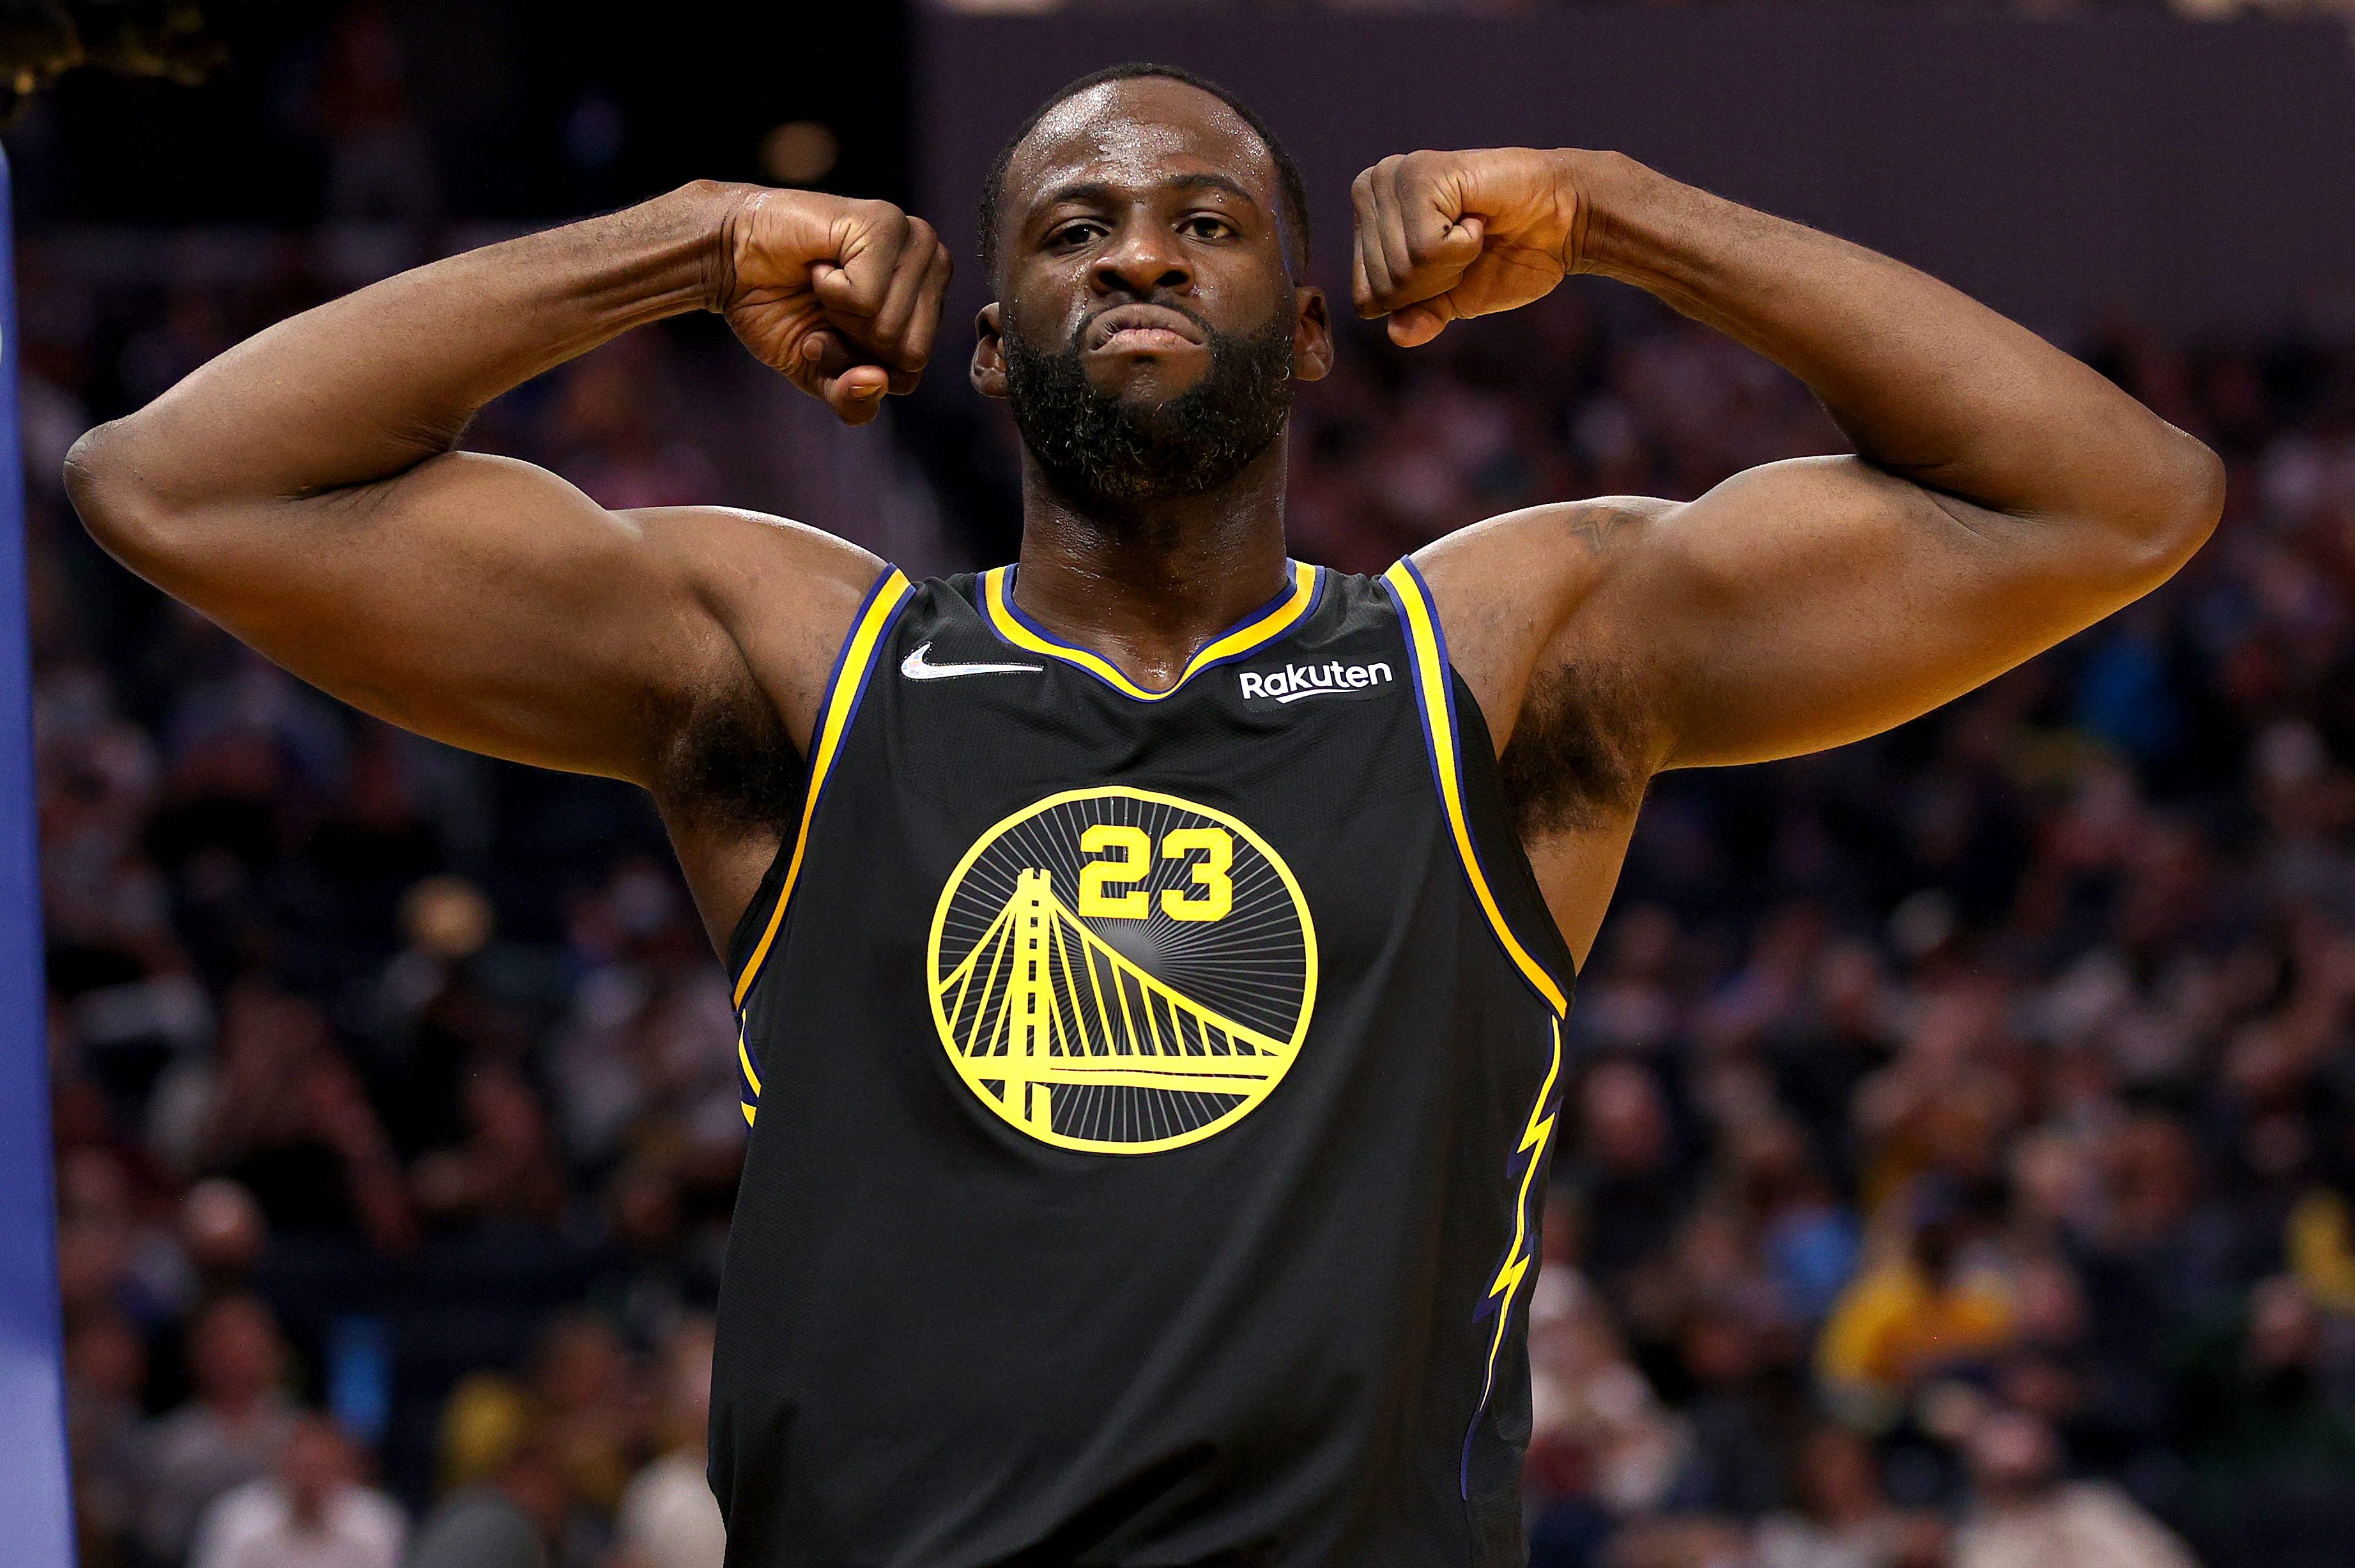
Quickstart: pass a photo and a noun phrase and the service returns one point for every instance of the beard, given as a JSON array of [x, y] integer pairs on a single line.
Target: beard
[[1101, 449]]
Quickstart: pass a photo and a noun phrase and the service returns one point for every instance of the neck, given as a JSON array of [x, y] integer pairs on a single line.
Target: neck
[[1145, 585]]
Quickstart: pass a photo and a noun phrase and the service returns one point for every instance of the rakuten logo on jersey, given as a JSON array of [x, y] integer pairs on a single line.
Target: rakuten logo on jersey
[[1294, 682]]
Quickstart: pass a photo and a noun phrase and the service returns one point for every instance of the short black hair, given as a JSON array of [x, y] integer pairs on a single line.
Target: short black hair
[[1292, 191]]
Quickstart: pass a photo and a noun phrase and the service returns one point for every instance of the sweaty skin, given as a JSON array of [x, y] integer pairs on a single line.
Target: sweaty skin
[[304, 490]]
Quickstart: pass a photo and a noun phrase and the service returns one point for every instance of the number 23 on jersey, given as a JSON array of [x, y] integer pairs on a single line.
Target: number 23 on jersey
[[1112, 888]]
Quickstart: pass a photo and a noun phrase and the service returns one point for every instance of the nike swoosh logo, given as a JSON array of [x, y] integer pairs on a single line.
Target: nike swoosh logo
[[916, 667]]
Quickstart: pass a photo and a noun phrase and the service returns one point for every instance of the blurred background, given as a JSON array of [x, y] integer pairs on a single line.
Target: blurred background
[[1959, 1163]]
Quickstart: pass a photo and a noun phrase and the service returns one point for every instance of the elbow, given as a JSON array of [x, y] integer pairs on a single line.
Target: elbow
[[2178, 507], [119, 509], [2199, 491]]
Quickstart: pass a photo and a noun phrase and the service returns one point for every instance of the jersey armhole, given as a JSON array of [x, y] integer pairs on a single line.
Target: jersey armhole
[[1442, 734], [756, 931]]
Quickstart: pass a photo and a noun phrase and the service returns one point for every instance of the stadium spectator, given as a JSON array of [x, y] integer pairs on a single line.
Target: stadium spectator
[[234, 1430], [1923, 1312], [313, 1512], [1841, 1517], [2024, 1514], [105, 1368], [2270, 1446], [668, 1517]]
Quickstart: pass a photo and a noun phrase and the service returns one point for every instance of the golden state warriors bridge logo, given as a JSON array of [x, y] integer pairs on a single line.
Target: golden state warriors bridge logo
[[1122, 972]]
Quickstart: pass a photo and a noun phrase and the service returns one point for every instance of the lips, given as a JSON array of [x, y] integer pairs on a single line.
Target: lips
[[1141, 329]]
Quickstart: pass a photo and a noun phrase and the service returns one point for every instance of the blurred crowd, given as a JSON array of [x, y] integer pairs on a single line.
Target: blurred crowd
[[1958, 1167]]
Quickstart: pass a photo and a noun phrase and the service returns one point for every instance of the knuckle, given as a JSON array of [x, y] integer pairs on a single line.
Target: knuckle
[[880, 220], [1430, 168]]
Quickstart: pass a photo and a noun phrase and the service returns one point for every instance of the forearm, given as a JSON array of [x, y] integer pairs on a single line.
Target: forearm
[[1928, 383], [365, 386]]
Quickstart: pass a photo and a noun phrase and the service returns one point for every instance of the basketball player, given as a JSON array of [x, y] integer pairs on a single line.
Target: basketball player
[[1151, 954]]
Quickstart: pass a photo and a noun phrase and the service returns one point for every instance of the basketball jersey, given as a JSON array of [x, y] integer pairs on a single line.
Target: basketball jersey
[[1150, 1099]]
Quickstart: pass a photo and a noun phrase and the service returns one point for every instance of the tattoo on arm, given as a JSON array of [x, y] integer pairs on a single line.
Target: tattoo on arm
[[1596, 525]]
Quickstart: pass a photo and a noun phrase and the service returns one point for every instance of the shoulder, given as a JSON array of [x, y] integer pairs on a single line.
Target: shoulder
[[1526, 599], [781, 597], [1522, 556], [1509, 589], [751, 563]]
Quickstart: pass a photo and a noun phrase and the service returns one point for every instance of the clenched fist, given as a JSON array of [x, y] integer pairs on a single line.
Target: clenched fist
[[842, 296], [1440, 236]]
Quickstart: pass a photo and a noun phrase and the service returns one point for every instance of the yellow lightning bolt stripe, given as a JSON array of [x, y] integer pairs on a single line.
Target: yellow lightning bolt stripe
[[1426, 647], [751, 1078], [1520, 1258]]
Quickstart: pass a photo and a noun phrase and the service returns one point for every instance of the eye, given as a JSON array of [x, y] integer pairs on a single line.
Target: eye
[[1205, 226], [1077, 233]]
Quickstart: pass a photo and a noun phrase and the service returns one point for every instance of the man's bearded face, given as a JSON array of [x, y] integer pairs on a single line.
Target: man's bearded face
[[1115, 448]]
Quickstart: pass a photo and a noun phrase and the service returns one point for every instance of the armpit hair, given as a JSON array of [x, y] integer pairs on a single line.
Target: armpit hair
[[733, 766], [1575, 760]]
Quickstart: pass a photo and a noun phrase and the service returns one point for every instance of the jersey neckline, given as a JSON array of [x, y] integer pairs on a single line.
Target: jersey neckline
[[1255, 631]]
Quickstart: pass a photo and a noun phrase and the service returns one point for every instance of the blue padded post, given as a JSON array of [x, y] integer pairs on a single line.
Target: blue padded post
[[37, 1531]]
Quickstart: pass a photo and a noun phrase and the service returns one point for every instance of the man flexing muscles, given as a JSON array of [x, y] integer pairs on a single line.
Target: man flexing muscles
[[1151, 956]]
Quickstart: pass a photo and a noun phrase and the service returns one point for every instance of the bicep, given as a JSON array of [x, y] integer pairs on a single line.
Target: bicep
[[1807, 603], [476, 600]]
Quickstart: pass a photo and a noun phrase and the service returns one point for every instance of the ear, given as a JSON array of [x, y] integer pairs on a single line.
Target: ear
[[1312, 337], [987, 372]]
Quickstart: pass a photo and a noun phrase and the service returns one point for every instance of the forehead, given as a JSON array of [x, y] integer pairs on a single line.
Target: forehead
[[1138, 133]]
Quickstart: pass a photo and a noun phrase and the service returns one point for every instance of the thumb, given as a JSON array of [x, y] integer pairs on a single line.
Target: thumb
[[1416, 325], [856, 395]]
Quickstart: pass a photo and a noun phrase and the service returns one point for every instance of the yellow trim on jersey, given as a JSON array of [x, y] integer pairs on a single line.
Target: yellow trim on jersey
[[1439, 718], [1522, 1256], [835, 710], [752, 1078], [997, 600]]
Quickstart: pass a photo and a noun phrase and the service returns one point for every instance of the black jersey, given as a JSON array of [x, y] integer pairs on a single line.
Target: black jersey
[[1151, 1096]]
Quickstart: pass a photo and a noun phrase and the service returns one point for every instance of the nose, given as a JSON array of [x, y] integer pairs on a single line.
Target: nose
[[1143, 258]]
